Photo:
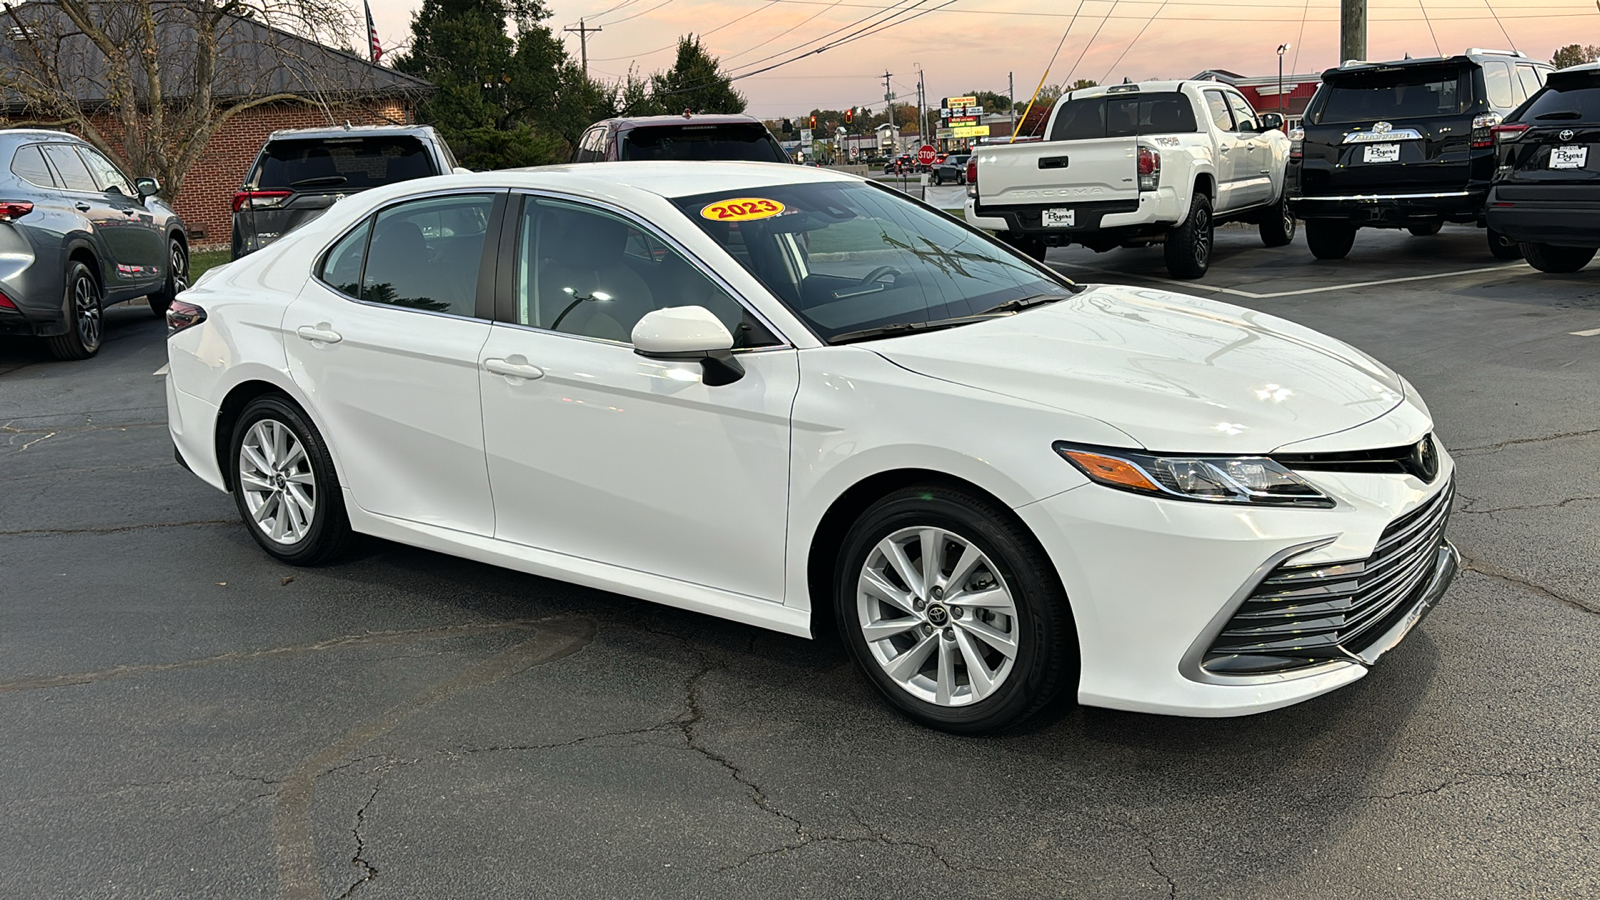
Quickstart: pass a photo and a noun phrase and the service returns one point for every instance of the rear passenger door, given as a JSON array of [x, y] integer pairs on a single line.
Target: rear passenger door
[[386, 336]]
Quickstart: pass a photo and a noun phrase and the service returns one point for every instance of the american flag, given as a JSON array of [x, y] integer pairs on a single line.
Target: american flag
[[374, 48]]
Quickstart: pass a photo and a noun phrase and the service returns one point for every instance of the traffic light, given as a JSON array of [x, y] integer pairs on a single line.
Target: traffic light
[[850, 116], [813, 121]]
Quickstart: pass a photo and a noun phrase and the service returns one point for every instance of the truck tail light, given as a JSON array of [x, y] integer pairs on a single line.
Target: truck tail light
[[1149, 169], [259, 199], [972, 170], [1297, 142], [1482, 128], [11, 210], [1505, 134], [181, 315]]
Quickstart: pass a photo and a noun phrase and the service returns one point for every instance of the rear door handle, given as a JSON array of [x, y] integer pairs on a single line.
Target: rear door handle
[[322, 334], [1226, 147], [515, 367], [81, 207], [130, 212]]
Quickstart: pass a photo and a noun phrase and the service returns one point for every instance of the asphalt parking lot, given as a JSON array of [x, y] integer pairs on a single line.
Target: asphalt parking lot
[[184, 717]]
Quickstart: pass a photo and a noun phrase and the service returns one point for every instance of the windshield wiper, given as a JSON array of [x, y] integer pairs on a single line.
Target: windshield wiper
[[1017, 304], [893, 328], [319, 181], [1561, 114]]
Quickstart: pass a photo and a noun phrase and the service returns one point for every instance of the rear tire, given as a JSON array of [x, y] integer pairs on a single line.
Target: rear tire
[[1188, 247], [1330, 238], [285, 485], [1425, 229], [177, 279], [965, 667], [1502, 247], [1278, 227], [87, 309], [1557, 260], [937, 182]]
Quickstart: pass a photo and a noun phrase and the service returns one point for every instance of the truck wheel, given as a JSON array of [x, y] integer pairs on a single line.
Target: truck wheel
[[1277, 225], [1559, 260], [1425, 229], [1330, 238], [1188, 247], [1503, 247]]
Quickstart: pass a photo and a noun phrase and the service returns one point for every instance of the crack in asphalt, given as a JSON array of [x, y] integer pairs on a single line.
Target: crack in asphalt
[[115, 529], [1488, 571], [1459, 781], [1469, 511], [874, 836], [435, 632], [1492, 448], [368, 870], [1172, 886]]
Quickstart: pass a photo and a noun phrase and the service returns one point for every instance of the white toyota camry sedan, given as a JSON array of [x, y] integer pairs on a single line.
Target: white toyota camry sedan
[[797, 399]]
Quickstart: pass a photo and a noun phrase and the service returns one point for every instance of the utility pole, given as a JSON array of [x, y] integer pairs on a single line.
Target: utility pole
[[922, 103], [1011, 95], [1352, 30], [888, 104], [583, 42]]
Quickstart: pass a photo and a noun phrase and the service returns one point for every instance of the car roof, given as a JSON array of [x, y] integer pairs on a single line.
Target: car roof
[[1136, 88], [336, 131], [41, 134], [613, 181], [627, 123], [1578, 69]]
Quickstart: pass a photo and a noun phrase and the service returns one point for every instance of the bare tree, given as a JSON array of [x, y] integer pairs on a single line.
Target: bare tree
[[151, 81]]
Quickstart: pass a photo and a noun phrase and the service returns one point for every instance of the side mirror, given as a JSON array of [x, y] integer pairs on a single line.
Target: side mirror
[[147, 187], [689, 333], [460, 170], [1271, 120]]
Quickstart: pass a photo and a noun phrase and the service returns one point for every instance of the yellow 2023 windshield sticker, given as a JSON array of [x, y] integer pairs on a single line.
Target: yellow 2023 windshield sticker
[[741, 209]]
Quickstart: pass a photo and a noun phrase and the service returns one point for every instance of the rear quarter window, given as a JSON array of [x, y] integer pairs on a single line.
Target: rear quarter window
[[29, 165], [353, 163]]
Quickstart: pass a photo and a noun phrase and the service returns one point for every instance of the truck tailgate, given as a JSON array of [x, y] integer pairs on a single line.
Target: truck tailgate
[[1102, 169]]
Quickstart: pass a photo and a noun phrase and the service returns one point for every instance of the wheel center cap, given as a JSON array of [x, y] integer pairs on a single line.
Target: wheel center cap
[[938, 615], [279, 480]]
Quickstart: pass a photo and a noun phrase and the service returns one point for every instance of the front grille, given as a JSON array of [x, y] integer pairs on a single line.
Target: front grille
[[1301, 615]]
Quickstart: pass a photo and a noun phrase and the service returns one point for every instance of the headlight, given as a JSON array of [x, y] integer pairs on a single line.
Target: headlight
[[1207, 479]]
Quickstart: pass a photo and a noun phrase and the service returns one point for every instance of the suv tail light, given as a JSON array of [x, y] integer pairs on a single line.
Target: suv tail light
[[11, 210], [1505, 134], [259, 199], [1481, 128], [5, 302], [1297, 142], [1149, 169], [181, 315]]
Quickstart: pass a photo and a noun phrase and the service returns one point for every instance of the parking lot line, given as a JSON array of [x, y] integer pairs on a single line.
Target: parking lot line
[[1252, 295], [1590, 332]]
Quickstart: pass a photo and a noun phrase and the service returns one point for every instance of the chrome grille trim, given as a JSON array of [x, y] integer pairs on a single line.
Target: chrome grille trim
[[1306, 615]]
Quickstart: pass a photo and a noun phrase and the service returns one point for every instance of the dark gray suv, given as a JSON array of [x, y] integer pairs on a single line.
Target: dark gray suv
[[77, 235]]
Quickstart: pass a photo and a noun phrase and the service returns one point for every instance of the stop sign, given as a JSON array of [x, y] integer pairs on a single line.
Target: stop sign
[[926, 154]]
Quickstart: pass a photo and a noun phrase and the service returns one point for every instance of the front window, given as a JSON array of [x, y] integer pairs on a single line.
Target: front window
[[749, 143], [849, 256]]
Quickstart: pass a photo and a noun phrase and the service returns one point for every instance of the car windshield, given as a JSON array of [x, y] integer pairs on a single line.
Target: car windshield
[[728, 142], [1386, 95], [851, 256], [341, 163]]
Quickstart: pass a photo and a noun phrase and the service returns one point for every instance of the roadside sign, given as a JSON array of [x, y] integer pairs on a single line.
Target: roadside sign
[[926, 155]]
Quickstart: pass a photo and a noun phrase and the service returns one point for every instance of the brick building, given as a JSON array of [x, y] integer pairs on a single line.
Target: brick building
[[297, 83]]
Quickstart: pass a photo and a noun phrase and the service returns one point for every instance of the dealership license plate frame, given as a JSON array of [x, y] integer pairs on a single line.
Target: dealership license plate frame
[[1380, 153], [1060, 217], [1569, 157]]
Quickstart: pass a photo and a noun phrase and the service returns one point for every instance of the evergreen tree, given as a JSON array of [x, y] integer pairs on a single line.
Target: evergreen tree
[[694, 82]]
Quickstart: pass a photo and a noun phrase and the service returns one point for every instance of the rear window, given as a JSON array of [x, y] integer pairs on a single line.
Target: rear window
[[352, 163], [1566, 99], [1162, 112], [1386, 95], [750, 143]]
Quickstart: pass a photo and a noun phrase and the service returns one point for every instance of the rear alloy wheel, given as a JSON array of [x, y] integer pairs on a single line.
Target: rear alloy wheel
[[1330, 238], [953, 611], [285, 486], [1277, 229], [1425, 229], [1503, 247], [84, 332], [1188, 247], [177, 279], [937, 182], [1557, 260]]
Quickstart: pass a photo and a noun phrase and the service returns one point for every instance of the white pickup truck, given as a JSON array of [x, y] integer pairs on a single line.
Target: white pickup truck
[[1135, 164]]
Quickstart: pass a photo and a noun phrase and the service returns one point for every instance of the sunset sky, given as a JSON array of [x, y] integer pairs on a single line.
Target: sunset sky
[[972, 44]]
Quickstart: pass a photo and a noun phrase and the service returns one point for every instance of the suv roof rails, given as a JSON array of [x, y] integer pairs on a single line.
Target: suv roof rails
[[1482, 51]]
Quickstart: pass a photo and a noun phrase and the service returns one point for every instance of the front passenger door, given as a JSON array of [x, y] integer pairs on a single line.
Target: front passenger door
[[141, 239], [1253, 181], [1229, 154]]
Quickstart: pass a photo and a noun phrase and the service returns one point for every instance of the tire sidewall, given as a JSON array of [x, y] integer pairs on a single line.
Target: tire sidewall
[[328, 514], [1182, 250], [1038, 633], [76, 272]]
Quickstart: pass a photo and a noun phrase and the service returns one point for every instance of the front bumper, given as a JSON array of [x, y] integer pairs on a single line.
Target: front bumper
[[1153, 582], [1391, 210]]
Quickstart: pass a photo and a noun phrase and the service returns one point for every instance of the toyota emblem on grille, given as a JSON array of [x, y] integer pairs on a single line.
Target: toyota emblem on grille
[[1566, 134], [1382, 128], [1424, 460]]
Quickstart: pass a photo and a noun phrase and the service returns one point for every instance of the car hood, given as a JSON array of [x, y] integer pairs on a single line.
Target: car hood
[[1174, 372]]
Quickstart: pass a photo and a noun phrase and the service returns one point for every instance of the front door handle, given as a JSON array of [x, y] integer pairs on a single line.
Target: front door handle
[[322, 334], [1225, 147], [130, 212], [514, 367], [82, 207]]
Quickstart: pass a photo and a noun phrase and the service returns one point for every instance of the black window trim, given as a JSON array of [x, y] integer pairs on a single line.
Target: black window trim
[[506, 269], [483, 305]]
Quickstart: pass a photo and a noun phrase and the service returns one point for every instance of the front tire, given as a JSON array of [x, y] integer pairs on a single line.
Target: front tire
[[1557, 260], [1188, 247], [1278, 227], [975, 642], [1502, 247], [177, 279], [1330, 238], [87, 309], [937, 181], [284, 484]]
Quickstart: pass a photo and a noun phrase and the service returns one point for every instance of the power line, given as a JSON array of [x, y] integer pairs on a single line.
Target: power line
[[780, 34], [1107, 76], [638, 14], [1085, 50], [702, 34], [1500, 23], [1301, 37], [1431, 35]]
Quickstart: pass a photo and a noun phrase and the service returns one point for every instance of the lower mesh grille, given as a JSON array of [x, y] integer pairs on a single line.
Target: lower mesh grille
[[1301, 615]]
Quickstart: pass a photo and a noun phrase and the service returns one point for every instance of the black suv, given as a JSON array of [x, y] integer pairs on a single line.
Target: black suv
[[1404, 144], [679, 137], [299, 173], [1546, 192]]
